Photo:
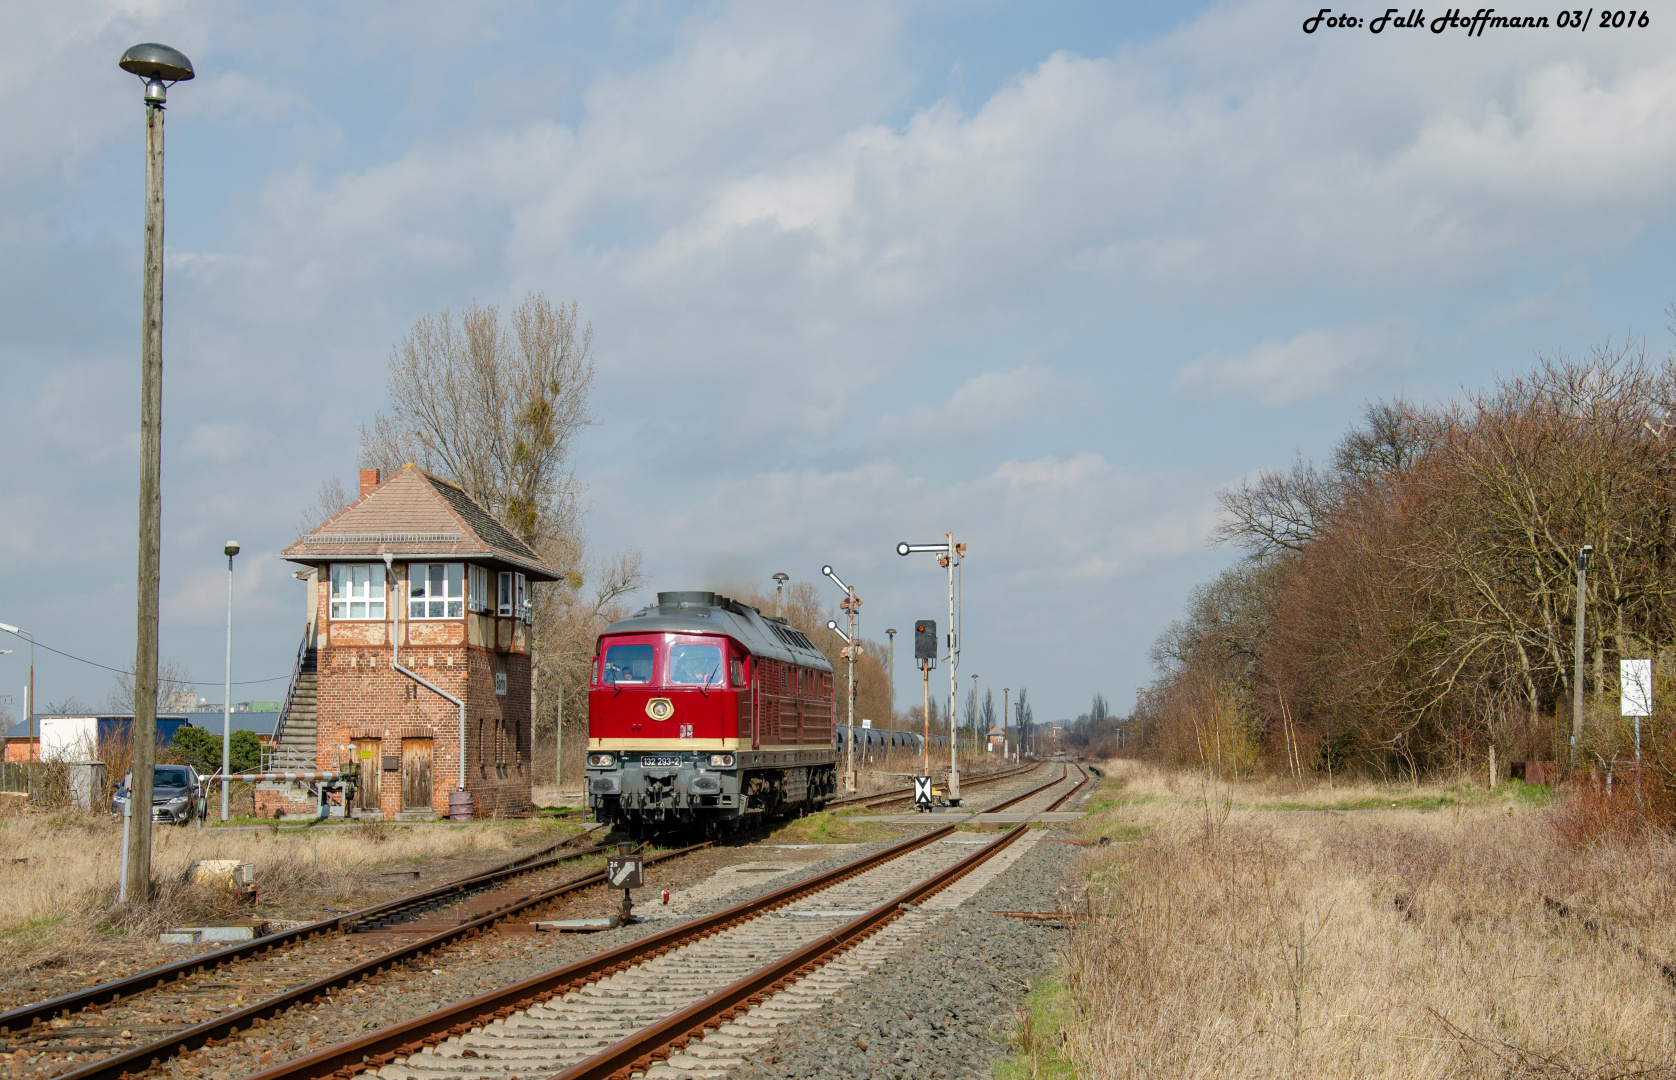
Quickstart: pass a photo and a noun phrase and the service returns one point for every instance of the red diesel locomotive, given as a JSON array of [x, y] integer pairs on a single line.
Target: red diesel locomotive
[[704, 712]]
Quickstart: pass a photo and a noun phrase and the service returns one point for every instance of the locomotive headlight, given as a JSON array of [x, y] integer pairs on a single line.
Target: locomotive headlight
[[721, 761], [600, 761]]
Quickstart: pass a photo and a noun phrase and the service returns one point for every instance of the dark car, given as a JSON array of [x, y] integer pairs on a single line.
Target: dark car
[[174, 794]]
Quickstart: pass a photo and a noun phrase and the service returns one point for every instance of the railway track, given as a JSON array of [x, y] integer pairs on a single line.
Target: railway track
[[896, 795], [182, 1006], [739, 971]]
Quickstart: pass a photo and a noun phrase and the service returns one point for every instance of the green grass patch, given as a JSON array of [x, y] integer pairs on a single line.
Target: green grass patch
[[1532, 795], [32, 933], [1035, 1038], [1108, 795], [831, 829], [1115, 831]]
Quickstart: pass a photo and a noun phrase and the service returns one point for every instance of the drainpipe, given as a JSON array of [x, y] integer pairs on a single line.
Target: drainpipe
[[395, 662]]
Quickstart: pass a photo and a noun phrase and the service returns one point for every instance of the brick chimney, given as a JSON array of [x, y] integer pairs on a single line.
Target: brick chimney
[[369, 480]]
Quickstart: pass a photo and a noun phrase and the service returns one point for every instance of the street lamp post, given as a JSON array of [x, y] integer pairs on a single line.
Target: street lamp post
[[231, 549], [851, 606], [977, 743], [780, 594], [158, 66], [949, 556], [890, 676], [29, 694], [1577, 674]]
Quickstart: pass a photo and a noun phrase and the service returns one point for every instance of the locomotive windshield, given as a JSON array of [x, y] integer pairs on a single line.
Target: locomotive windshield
[[695, 665], [628, 664]]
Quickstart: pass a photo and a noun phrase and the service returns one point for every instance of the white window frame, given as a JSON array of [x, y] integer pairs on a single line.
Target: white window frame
[[356, 585], [452, 601], [479, 597], [512, 596]]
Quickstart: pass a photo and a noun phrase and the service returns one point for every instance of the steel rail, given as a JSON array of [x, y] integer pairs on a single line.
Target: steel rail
[[105, 993], [401, 1040], [1065, 798], [151, 1054], [674, 1031], [881, 798]]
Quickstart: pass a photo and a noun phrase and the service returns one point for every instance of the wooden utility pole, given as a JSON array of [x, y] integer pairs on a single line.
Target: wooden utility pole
[[151, 516], [158, 65], [1577, 670]]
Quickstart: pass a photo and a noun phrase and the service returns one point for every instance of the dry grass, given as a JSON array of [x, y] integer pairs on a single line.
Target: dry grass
[[1401, 943], [58, 892]]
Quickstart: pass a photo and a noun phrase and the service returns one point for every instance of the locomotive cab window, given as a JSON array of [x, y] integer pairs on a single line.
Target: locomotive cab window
[[736, 670], [695, 665], [627, 664]]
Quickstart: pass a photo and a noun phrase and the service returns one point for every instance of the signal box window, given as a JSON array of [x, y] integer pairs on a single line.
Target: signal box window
[[628, 664], [357, 591], [695, 665], [436, 590]]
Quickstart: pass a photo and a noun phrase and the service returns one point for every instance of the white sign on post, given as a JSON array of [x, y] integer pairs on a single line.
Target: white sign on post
[[1635, 687]]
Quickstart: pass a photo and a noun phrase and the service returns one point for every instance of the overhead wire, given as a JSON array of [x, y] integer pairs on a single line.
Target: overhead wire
[[125, 671]]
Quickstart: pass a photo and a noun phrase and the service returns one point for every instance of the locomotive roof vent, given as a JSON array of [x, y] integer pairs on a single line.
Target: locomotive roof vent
[[686, 599]]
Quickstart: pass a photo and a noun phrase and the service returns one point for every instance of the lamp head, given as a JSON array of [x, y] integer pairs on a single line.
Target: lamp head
[[1583, 556], [159, 66], [232, 548], [902, 548], [782, 578], [8, 628]]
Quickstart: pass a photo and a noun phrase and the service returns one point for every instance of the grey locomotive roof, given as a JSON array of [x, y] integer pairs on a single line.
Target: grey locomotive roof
[[708, 613]]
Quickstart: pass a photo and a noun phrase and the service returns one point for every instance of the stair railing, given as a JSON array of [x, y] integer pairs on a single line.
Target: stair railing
[[290, 695]]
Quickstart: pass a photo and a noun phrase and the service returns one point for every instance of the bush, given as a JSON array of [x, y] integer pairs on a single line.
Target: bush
[[201, 749]]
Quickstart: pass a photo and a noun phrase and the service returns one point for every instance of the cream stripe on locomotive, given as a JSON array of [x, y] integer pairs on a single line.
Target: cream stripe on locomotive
[[695, 745]]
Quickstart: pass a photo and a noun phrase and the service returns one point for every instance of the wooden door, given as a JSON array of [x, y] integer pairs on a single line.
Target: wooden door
[[372, 770], [416, 774]]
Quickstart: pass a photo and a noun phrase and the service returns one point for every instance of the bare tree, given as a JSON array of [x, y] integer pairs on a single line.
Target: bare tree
[[494, 406], [172, 679], [330, 499]]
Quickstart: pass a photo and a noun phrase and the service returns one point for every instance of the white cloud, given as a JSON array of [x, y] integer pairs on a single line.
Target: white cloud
[[980, 409], [1281, 372]]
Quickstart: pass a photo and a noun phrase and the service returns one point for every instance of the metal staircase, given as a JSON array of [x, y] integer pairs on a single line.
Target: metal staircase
[[294, 735]]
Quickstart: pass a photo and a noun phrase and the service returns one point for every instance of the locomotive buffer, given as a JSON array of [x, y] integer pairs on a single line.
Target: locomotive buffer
[[625, 871]]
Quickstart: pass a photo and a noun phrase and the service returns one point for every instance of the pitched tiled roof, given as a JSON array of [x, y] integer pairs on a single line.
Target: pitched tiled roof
[[414, 513]]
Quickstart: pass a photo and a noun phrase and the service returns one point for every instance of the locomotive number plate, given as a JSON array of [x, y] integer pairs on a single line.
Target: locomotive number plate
[[650, 759]]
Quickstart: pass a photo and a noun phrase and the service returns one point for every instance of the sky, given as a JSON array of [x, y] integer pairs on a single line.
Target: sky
[[1048, 276]]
